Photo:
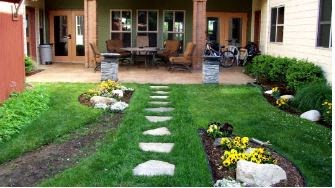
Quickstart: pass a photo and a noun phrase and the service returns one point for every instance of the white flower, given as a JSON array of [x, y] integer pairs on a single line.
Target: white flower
[[118, 106], [230, 182], [123, 88], [118, 92], [101, 106]]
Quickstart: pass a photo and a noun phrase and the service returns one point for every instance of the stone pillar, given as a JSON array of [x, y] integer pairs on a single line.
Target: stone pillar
[[90, 14], [199, 31]]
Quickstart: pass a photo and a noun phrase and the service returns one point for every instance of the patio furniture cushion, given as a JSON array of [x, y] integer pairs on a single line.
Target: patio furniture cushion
[[171, 48], [183, 62]]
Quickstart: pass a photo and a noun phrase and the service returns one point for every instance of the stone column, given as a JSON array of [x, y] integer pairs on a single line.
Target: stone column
[[199, 31], [90, 18]]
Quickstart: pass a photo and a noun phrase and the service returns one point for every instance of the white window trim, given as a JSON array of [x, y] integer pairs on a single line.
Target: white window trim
[[276, 25], [318, 29], [110, 21], [147, 31]]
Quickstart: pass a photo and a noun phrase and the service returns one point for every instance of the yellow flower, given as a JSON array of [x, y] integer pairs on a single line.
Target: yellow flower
[[226, 163], [233, 151]]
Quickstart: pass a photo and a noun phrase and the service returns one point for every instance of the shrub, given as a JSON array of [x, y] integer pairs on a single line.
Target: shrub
[[327, 112], [278, 69], [312, 96], [260, 66], [29, 64], [303, 72], [20, 110]]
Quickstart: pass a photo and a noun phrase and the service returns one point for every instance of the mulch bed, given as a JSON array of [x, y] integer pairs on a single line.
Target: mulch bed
[[294, 177], [34, 72], [85, 101]]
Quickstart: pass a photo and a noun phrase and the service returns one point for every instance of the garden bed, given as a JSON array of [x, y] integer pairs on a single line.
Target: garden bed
[[85, 101], [34, 72], [294, 178]]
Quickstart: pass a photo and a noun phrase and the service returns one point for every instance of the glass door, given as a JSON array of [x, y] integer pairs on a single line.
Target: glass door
[[67, 36], [213, 32]]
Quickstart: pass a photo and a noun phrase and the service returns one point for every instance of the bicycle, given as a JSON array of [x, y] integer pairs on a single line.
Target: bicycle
[[228, 55]]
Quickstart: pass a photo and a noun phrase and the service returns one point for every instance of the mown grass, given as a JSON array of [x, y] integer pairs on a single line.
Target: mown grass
[[307, 144], [65, 115]]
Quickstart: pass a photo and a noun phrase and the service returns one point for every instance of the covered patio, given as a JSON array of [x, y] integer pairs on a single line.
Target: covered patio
[[76, 73]]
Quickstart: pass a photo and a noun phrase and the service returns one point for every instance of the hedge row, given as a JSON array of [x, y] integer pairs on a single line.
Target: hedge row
[[290, 71]]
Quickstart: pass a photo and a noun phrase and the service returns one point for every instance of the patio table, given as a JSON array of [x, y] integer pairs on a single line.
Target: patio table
[[149, 52]]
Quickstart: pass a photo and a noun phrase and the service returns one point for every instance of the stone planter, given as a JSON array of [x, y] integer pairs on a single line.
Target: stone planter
[[109, 66], [211, 70]]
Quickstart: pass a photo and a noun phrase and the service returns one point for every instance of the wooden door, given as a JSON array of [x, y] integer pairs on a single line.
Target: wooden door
[[67, 36], [257, 28], [30, 32]]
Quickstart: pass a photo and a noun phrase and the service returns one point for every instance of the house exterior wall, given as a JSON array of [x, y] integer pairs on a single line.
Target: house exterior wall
[[11, 52], [300, 32]]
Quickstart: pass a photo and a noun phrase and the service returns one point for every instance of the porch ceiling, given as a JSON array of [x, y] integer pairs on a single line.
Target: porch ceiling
[[12, 1]]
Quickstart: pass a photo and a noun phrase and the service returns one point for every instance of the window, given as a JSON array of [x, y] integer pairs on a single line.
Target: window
[[147, 25], [324, 31], [174, 26], [277, 24], [121, 26]]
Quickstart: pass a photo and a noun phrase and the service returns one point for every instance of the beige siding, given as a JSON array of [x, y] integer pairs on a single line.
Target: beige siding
[[260, 5], [300, 32]]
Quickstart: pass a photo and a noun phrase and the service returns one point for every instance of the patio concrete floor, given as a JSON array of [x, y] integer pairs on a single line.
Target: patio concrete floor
[[77, 73]]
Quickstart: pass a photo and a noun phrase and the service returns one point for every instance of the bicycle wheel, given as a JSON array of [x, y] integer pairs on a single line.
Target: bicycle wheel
[[228, 59]]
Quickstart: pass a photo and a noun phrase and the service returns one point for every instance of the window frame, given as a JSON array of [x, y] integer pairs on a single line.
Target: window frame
[[276, 24], [174, 32], [120, 31], [319, 28], [147, 30]]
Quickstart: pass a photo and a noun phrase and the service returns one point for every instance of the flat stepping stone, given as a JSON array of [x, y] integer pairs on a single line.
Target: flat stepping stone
[[163, 131], [159, 97], [156, 147], [155, 119], [160, 109], [159, 87], [161, 92], [159, 103], [154, 168]]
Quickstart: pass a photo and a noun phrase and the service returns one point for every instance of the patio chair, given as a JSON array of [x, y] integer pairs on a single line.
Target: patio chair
[[142, 41], [171, 48], [97, 56], [183, 62], [114, 46]]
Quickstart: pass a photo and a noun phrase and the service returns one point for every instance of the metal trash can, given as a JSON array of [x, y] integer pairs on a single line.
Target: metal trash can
[[211, 69], [109, 66], [45, 54]]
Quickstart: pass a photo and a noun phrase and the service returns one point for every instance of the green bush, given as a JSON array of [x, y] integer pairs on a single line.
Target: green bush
[[29, 64], [21, 109], [260, 66], [303, 72], [278, 68], [311, 96]]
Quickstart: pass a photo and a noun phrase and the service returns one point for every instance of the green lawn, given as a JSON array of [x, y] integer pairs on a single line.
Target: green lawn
[[65, 115], [307, 144]]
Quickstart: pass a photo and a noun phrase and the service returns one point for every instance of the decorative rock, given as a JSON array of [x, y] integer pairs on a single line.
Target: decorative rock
[[102, 100], [101, 106], [160, 109], [259, 175], [159, 103], [154, 168], [118, 92], [157, 147], [217, 142], [159, 97], [161, 92], [159, 87], [156, 119], [249, 150], [269, 92], [312, 115], [158, 132], [287, 97]]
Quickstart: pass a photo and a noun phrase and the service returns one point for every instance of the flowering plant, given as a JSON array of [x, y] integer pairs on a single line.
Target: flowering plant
[[214, 130], [327, 111], [282, 102], [236, 150], [105, 89], [275, 92]]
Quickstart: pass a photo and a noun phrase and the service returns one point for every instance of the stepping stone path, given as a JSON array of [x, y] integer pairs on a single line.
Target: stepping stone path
[[163, 131], [160, 109], [159, 103], [156, 167], [159, 97]]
